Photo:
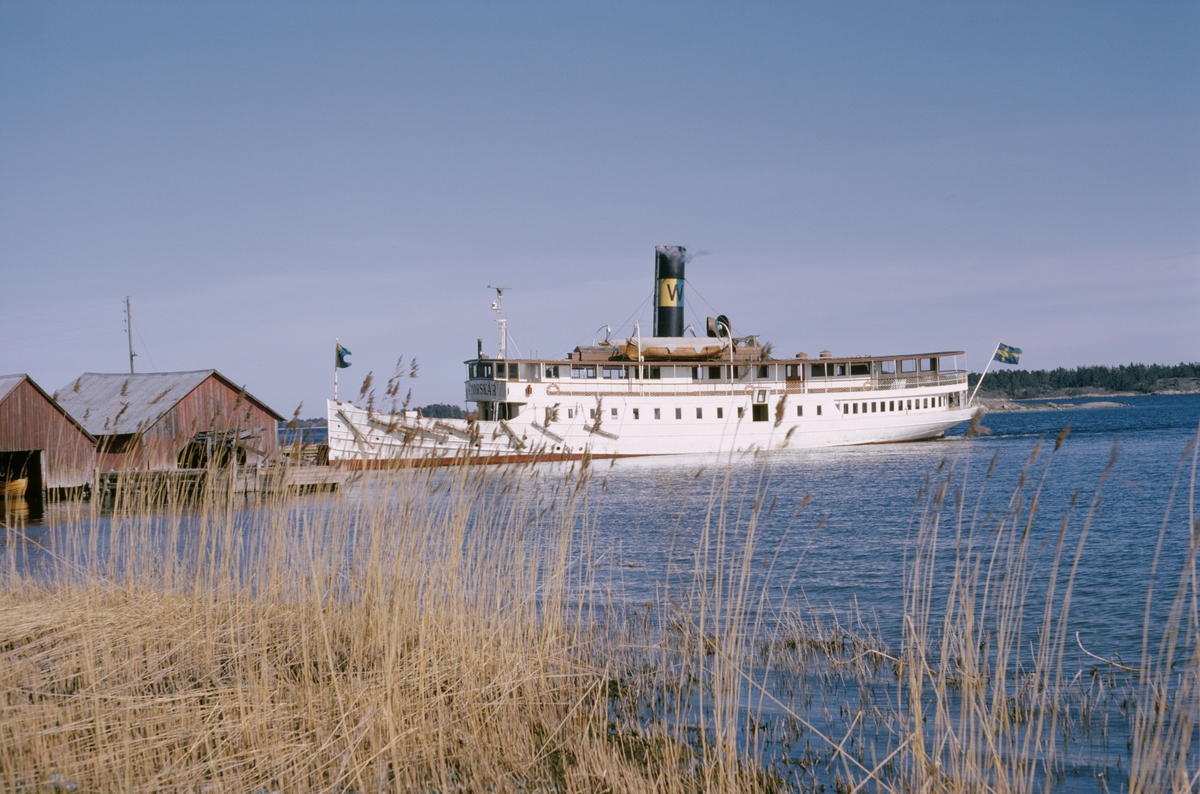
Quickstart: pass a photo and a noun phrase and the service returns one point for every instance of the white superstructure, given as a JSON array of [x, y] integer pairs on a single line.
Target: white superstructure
[[665, 396]]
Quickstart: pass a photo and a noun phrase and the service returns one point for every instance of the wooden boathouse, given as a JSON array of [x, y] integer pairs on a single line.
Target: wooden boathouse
[[44, 451], [163, 421]]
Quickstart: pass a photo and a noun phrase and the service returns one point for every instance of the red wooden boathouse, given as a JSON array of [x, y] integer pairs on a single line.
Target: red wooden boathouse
[[171, 420], [41, 443]]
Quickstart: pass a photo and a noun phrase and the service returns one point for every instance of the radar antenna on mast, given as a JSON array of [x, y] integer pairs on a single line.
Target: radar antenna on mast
[[498, 308]]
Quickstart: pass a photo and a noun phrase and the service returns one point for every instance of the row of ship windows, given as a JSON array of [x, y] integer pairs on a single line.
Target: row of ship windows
[[760, 413], [891, 405], [502, 371], [725, 372], [637, 412], [588, 371], [838, 369]]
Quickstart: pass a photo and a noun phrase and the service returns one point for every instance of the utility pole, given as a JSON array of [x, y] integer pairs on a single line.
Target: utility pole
[[129, 328]]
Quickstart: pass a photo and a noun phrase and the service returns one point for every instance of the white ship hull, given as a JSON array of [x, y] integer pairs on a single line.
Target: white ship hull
[[640, 418]]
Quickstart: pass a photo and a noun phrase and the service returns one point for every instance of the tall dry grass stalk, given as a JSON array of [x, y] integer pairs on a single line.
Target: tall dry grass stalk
[[1167, 701], [987, 684]]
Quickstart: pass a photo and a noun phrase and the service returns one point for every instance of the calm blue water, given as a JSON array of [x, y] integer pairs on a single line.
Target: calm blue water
[[846, 550], [305, 435], [864, 498]]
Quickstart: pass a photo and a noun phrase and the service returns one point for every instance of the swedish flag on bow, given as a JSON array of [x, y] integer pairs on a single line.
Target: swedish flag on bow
[[342, 352], [1007, 355]]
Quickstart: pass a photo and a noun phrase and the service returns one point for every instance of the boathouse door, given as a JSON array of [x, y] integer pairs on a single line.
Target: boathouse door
[[21, 485]]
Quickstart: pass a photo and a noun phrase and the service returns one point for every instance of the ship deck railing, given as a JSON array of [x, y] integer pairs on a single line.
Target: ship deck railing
[[649, 388]]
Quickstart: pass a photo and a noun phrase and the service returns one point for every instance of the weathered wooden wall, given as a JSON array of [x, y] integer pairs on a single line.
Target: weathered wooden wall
[[213, 405], [29, 421]]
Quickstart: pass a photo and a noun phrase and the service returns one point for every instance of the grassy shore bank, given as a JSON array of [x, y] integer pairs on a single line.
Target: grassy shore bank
[[442, 630]]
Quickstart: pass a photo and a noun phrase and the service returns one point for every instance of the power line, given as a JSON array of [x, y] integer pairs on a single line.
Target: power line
[[145, 347], [69, 339], [63, 330]]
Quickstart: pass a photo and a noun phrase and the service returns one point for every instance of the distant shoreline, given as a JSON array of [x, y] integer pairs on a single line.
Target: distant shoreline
[[1083, 393], [1098, 381], [1003, 404]]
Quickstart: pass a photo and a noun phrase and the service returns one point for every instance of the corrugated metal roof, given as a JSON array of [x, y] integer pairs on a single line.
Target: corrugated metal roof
[[8, 383], [113, 404]]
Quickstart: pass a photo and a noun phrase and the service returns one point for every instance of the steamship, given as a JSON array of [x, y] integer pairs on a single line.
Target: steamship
[[665, 394]]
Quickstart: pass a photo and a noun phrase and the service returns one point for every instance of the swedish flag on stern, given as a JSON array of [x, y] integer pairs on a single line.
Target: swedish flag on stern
[[1006, 354], [342, 352]]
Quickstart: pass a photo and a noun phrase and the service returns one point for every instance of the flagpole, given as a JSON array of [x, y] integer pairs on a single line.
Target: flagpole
[[335, 368], [985, 372]]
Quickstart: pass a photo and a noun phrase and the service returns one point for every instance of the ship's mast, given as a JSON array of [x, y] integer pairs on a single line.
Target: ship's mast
[[502, 329]]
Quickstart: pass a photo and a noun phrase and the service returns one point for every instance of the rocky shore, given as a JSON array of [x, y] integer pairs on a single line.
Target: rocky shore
[[1005, 404]]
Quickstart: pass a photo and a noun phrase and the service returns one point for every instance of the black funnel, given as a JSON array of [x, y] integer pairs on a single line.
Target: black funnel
[[668, 290]]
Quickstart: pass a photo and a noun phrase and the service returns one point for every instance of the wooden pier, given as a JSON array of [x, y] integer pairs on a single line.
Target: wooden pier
[[184, 485]]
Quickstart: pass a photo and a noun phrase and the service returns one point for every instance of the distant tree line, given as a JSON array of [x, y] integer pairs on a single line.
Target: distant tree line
[[442, 411], [1143, 378], [434, 411]]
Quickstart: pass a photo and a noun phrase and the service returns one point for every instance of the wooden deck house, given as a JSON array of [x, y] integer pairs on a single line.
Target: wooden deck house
[[171, 420]]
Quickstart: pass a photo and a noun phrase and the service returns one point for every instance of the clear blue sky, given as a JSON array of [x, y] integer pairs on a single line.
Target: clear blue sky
[[865, 178]]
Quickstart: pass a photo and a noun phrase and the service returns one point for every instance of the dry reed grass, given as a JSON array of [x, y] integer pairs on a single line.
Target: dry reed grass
[[413, 636], [437, 630]]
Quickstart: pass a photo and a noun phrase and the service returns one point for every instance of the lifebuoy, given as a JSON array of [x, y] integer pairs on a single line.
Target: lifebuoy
[[867, 386], [552, 389], [528, 390]]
